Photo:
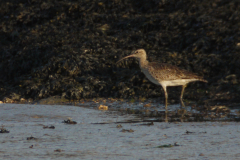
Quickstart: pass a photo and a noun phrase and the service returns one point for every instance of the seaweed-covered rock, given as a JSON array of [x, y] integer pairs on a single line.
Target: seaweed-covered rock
[[69, 48]]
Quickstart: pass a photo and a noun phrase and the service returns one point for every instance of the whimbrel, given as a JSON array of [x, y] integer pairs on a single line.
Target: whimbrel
[[164, 74]]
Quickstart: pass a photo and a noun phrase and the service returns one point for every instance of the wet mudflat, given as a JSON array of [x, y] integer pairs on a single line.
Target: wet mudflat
[[108, 134], [153, 110]]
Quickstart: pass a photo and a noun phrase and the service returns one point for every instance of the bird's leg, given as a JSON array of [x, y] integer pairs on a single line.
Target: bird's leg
[[166, 98], [182, 111], [183, 87]]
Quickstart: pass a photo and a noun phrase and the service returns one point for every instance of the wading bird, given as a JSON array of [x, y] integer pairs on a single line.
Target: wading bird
[[164, 74]]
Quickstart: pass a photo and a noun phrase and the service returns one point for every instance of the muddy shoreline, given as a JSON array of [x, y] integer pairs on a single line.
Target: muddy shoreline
[[104, 134]]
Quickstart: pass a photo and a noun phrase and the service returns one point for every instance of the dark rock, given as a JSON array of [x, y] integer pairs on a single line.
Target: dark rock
[[70, 48]]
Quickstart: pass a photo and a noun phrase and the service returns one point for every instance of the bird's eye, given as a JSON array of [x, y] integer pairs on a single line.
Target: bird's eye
[[136, 51]]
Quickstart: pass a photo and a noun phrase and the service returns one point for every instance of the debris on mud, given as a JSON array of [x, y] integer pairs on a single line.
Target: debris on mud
[[58, 150], [127, 130], [189, 132], [4, 130], [31, 138], [219, 109], [168, 145], [69, 121], [103, 107], [49, 127], [119, 126], [148, 124]]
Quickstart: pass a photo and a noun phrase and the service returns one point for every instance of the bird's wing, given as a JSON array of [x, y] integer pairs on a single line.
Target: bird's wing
[[164, 71]]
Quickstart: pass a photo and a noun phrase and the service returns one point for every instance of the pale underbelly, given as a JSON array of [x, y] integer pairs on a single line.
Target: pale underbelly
[[178, 82]]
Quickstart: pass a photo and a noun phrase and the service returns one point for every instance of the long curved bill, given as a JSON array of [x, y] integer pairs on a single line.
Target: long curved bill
[[132, 55]]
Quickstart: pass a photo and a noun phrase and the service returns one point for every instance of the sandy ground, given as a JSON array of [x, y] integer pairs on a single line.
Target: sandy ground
[[96, 136]]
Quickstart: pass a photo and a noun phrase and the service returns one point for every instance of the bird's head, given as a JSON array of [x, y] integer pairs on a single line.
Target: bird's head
[[139, 54]]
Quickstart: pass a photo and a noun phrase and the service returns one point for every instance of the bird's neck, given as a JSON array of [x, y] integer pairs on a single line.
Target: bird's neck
[[143, 62]]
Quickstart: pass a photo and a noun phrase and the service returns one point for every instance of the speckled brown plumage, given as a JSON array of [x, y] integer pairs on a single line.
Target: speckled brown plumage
[[164, 71], [164, 74]]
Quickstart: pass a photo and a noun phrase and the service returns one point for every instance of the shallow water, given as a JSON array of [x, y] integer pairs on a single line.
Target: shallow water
[[152, 111], [109, 135]]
